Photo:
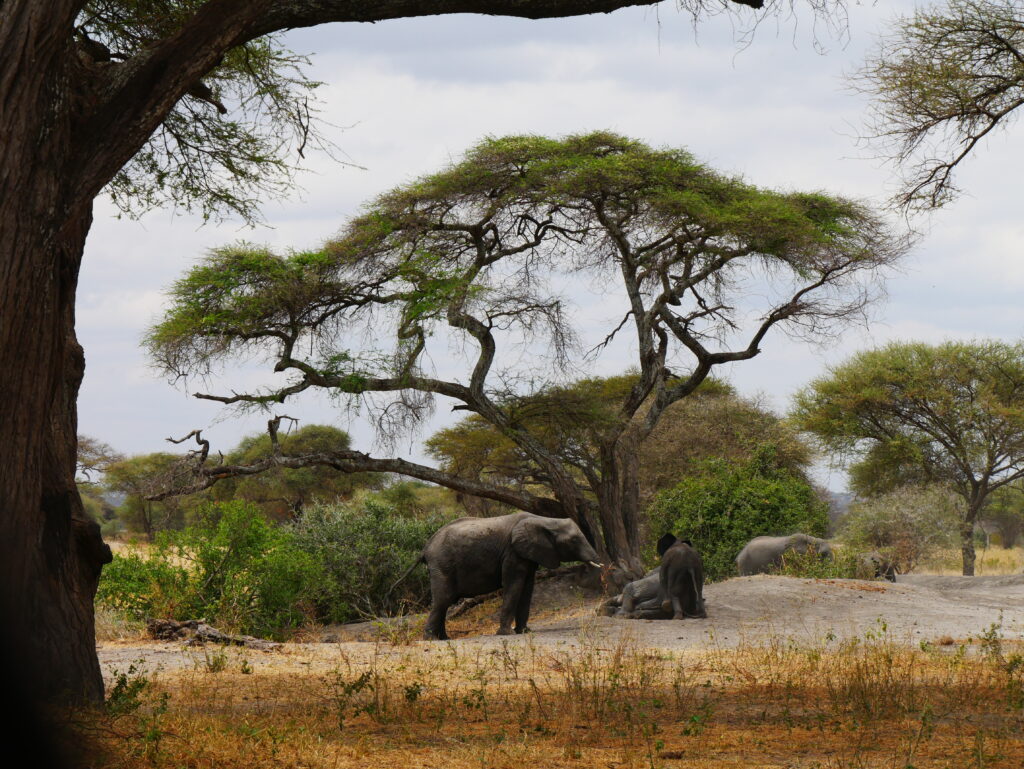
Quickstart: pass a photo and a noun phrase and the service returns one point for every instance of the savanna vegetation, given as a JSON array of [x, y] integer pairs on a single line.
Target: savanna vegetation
[[871, 701], [195, 104]]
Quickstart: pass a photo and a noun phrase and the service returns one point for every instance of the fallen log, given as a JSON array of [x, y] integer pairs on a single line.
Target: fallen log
[[196, 632]]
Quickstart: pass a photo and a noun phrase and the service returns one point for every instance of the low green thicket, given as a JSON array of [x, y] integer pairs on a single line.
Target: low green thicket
[[724, 505], [363, 550], [241, 572]]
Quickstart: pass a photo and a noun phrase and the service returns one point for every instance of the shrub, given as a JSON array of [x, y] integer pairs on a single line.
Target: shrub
[[363, 550], [810, 565], [726, 504], [908, 525], [233, 568]]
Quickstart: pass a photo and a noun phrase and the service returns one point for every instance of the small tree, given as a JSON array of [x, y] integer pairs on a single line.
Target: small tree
[[474, 255], [955, 411], [140, 477], [909, 524], [725, 505]]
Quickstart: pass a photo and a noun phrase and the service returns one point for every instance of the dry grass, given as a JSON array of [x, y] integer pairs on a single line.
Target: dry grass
[[992, 561], [867, 703]]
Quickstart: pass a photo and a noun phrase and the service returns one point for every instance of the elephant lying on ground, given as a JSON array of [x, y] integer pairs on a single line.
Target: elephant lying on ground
[[638, 599], [473, 556], [875, 564], [673, 590], [761, 554]]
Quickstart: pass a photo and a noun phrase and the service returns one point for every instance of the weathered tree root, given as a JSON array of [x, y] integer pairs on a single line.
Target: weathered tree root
[[196, 632]]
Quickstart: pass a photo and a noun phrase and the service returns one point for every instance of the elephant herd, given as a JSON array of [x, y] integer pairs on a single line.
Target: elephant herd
[[473, 556]]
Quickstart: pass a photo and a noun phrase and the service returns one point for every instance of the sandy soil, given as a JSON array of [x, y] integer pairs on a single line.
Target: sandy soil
[[742, 610]]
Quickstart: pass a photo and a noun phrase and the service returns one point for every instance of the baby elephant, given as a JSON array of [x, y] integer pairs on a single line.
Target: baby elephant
[[681, 578], [640, 599], [762, 554]]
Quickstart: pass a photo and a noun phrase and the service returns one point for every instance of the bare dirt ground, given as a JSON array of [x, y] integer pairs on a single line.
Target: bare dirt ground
[[741, 611]]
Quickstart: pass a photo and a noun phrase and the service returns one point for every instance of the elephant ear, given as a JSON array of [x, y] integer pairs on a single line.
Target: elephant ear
[[666, 541], [532, 539]]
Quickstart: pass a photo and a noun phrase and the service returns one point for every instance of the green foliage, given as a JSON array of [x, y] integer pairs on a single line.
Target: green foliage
[[363, 549], [725, 505], [233, 568], [951, 413], [810, 565], [282, 493], [908, 525]]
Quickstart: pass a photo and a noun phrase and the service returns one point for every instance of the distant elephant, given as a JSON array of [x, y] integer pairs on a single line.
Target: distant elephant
[[682, 578], [761, 554], [875, 564], [473, 556]]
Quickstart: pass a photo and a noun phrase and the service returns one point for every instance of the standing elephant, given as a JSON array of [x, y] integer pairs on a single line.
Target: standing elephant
[[682, 578], [761, 554], [473, 556]]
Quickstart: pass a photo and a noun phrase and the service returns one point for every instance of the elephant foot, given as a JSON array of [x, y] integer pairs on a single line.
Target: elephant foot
[[523, 629], [429, 635], [504, 631]]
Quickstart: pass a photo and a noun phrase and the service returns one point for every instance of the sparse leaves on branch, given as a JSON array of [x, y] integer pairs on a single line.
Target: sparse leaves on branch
[[941, 81]]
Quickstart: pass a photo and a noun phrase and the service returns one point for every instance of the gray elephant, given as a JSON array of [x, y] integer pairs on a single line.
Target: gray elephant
[[640, 595], [761, 554], [473, 556], [876, 564], [682, 579]]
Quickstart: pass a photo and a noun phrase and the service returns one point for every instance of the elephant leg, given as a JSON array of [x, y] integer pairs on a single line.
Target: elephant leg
[[677, 608], [523, 608], [441, 599], [513, 580]]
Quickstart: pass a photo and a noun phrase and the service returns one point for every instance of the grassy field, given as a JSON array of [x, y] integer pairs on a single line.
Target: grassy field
[[990, 561], [867, 703]]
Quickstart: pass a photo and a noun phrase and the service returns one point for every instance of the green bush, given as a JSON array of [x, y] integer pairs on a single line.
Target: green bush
[[810, 565], [233, 568], [363, 550], [726, 504]]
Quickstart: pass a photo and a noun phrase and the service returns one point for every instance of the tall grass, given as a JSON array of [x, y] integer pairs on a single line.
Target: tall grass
[[871, 702]]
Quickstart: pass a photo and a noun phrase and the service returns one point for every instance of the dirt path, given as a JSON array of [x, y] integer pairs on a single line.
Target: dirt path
[[742, 610]]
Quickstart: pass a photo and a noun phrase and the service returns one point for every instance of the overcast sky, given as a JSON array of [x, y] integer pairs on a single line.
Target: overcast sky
[[408, 96]]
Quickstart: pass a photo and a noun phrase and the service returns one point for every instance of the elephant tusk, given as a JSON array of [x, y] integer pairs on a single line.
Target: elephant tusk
[[595, 564]]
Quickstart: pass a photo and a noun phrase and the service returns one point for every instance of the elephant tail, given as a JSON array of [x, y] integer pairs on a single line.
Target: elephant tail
[[406, 573]]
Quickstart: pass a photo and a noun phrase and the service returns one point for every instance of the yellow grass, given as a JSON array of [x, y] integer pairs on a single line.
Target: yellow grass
[[512, 705], [991, 561]]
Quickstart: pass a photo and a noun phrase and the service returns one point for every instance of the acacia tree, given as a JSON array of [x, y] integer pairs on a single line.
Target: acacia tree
[[124, 96], [955, 411], [944, 79], [697, 266]]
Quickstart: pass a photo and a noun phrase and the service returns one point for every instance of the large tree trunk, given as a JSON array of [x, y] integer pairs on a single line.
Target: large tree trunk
[[50, 552], [618, 500]]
